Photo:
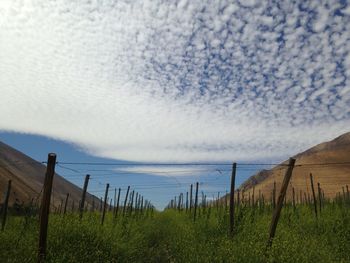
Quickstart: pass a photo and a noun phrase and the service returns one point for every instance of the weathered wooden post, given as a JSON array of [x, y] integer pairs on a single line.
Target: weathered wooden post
[[125, 200], [274, 195], [191, 190], [136, 200], [186, 202], [313, 193], [293, 198], [104, 204], [65, 204], [182, 202], [45, 206], [131, 201], [217, 202], [115, 201], [232, 198], [253, 197], [277, 211], [6, 204], [195, 203], [319, 197], [117, 206], [141, 207], [81, 207]]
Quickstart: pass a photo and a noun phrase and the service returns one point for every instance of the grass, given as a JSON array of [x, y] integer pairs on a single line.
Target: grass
[[171, 236]]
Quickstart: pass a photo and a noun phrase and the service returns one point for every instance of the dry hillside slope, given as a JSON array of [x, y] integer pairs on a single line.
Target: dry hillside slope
[[27, 177], [328, 162]]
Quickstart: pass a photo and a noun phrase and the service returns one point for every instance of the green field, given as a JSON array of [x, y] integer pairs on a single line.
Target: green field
[[172, 236]]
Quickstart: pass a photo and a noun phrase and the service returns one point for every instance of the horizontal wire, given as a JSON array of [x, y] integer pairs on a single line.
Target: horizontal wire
[[177, 164]]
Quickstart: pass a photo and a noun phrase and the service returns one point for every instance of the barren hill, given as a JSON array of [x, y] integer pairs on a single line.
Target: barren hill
[[27, 177], [329, 163]]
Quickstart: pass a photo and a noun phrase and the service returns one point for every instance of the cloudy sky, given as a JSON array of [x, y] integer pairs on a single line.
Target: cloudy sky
[[176, 81]]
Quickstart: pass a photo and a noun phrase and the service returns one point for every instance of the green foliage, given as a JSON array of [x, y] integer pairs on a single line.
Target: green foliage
[[171, 236]]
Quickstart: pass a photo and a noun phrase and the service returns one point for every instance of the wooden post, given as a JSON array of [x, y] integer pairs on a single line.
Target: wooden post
[[115, 200], [217, 202], [126, 199], [277, 211], [65, 204], [319, 197], [274, 195], [186, 202], [313, 193], [104, 205], [191, 190], [81, 207], [45, 206], [131, 201], [141, 207], [117, 206], [182, 202], [293, 198], [6, 203], [232, 199], [195, 202], [253, 197], [136, 200]]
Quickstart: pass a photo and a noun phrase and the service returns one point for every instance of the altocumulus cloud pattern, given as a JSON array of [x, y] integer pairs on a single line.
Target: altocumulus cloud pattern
[[177, 80]]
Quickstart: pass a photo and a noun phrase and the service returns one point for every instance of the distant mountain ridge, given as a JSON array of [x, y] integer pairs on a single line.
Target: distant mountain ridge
[[333, 173], [27, 177]]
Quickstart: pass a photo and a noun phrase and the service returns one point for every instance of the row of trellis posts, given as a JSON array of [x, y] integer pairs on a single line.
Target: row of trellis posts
[[277, 209], [136, 205], [317, 200], [141, 206]]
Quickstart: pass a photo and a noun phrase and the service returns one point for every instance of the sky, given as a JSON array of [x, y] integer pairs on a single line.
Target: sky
[[174, 81]]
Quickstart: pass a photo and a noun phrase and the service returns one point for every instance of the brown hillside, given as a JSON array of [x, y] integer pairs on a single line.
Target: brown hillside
[[332, 177], [27, 177]]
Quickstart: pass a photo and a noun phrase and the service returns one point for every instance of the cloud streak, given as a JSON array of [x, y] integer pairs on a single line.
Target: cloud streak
[[181, 81]]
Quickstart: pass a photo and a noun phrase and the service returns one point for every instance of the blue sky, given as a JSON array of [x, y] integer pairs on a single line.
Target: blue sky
[[156, 183], [180, 81]]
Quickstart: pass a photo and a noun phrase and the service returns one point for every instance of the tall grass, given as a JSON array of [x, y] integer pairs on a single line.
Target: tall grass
[[172, 236]]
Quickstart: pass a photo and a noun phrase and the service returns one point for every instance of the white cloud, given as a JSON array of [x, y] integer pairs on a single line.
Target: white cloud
[[166, 170], [193, 81]]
